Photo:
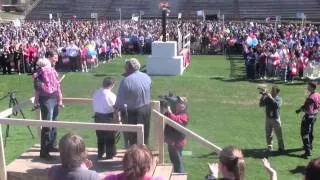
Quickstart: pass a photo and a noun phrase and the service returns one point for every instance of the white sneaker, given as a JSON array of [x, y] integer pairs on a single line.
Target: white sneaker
[[269, 149]]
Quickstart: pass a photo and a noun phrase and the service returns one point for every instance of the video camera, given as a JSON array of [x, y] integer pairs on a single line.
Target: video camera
[[167, 100], [262, 91]]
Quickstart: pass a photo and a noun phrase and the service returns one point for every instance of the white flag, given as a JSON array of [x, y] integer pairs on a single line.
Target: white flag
[[134, 17], [200, 13], [179, 15]]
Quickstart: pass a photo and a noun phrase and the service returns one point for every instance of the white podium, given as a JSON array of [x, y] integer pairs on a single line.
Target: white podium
[[164, 59]]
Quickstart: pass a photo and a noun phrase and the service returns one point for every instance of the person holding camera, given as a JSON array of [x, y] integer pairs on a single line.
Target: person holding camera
[[176, 140], [272, 102], [310, 108]]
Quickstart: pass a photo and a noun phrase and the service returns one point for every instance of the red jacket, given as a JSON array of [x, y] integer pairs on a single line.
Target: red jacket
[[181, 119]]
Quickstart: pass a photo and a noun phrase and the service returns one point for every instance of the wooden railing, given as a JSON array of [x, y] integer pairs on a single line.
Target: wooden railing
[[163, 120], [158, 120], [61, 124]]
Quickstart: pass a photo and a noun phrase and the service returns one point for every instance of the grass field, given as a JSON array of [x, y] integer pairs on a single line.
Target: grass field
[[223, 110]]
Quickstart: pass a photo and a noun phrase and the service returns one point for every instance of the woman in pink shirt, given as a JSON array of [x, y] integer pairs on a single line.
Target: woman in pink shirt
[[136, 163]]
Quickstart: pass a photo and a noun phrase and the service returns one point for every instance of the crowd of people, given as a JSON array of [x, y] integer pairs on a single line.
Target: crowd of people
[[42, 47], [270, 51]]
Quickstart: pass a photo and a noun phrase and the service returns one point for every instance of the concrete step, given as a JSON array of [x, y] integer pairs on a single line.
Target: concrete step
[[179, 176], [163, 170]]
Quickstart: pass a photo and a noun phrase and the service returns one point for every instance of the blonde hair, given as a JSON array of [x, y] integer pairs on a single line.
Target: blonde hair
[[72, 150], [136, 162], [232, 158], [44, 62]]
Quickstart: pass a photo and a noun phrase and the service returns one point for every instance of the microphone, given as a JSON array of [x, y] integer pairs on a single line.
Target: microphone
[[126, 111]]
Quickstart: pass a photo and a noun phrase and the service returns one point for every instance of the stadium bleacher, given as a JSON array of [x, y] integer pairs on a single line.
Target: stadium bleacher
[[232, 9]]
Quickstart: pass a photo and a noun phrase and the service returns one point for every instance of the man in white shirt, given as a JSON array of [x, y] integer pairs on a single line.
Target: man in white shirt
[[102, 102]]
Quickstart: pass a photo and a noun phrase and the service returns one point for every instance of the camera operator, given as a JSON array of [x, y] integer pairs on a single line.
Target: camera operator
[[310, 108], [272, 103], [176, 140], [5, 60]]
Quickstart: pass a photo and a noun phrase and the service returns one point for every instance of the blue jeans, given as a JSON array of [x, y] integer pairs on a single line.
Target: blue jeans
[[175, 154], [49, 112]]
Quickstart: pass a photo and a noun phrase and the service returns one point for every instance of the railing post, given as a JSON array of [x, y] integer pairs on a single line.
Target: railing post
[[140, 134], [155, 123], [3, 168], [160, 131], [39, 117]]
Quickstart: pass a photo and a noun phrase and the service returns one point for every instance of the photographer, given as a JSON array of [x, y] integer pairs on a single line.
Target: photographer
[[176, 140], [272, 103], [310, 108]]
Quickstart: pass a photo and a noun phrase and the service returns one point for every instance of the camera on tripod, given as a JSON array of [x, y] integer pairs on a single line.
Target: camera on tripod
[[12, 103]]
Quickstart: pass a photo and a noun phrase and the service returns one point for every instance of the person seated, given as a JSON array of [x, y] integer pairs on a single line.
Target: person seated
[[231, 165], [312, 171], [74, 161], [136, 163], [272, 173]]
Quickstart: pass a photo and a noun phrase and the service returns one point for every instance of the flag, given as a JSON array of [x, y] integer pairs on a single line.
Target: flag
[[134, 17], [179, 15], [163, 4], [200, 13], [141, 13], [267, 20]]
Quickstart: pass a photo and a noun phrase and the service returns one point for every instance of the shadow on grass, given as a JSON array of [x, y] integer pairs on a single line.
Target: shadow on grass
[[262, 153], [104, 74], [209, 155], [258, 81], [298, 170]]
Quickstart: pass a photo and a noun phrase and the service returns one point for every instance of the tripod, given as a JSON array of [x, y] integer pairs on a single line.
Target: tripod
[[13, 102]]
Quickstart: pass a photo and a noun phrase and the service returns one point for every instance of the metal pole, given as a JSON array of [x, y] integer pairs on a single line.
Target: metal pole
[[60, 31], [120, 16], [23, 60], [164, 25], [140, 18]]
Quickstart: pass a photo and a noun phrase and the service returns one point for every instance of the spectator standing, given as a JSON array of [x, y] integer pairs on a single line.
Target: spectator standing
[[47, 86], [133, 100], [103, 101], [310, 108], [250, 64]]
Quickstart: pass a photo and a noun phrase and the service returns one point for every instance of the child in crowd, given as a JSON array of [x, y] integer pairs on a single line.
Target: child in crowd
[[136, 163], [74, 161], [176, 140], [41, 64]]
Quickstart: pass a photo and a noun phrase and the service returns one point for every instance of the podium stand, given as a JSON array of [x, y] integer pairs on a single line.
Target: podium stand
[[164, 59]]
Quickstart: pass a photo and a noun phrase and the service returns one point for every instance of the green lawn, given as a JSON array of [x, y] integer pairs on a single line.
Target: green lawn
[[223, 110]]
